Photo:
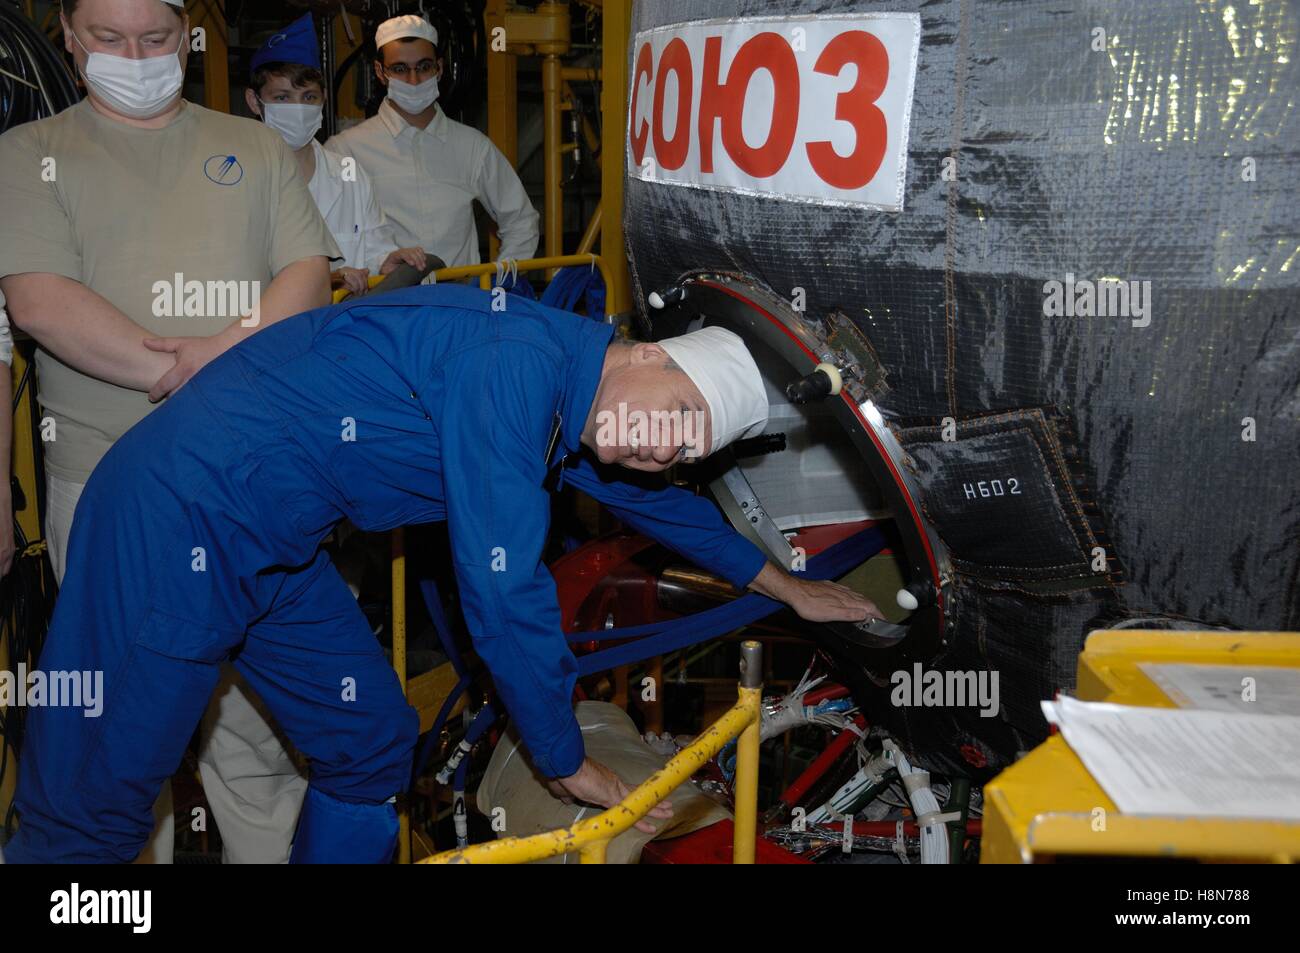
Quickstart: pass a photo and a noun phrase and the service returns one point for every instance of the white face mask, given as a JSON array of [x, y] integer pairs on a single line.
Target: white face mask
[[140, 89], [296, 122], [414, 98]]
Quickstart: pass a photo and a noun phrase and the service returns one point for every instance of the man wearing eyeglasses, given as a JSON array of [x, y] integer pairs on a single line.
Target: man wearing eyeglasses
[[428, 169]]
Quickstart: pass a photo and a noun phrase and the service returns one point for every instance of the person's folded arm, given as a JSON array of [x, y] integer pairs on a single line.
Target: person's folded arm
[[300, 249], [40, 254], [378, 249], [83, 330], [302, 286]]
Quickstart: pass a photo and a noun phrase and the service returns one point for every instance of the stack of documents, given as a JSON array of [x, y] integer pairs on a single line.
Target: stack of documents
[[1228, 752]]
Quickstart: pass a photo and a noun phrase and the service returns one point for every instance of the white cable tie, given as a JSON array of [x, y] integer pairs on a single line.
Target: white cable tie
[[900, 843], [916, 781], [931, 818]]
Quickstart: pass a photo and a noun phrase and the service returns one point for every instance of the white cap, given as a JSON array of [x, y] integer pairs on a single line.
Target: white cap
[[399, 28], [720, 365]]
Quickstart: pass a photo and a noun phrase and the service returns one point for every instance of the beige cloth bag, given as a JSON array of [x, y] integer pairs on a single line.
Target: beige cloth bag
[[611, 738]]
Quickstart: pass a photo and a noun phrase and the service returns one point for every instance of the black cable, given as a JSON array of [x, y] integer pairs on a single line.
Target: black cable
[[26, 605], [21, 388], [360, 53], [36, 82]]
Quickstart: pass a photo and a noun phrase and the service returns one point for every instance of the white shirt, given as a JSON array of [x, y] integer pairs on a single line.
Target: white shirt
[[351, 211], [427, 179]]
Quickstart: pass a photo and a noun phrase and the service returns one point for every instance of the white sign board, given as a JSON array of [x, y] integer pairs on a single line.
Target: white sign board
[[803, 108]]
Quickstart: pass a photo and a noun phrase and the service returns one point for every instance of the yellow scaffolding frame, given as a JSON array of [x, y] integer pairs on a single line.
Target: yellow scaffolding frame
[[487, 270], [544, 33], [590, 838]]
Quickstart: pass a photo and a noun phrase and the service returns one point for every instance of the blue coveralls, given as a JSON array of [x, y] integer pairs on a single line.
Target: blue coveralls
[[197, 540]]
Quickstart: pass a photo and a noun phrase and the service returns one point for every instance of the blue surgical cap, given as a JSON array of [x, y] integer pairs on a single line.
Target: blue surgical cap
[[296, 43]]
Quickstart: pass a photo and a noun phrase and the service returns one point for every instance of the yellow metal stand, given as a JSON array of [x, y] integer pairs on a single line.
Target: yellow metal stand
[[485, 271], [545, 33], [398, 540], [24, 440], [345, 104], [617, 31], [1047, 805], [216, 68]]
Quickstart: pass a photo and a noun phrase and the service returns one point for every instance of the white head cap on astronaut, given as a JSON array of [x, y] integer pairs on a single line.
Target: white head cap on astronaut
[[720, 365], [683, 397]]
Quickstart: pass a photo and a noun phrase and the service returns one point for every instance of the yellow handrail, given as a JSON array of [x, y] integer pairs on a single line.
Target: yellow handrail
[[485, 271], [397, 542], [591, 837]]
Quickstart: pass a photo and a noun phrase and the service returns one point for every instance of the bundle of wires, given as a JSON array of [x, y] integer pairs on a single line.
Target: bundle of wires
[[34, 79], [780, 715], [934, 832]]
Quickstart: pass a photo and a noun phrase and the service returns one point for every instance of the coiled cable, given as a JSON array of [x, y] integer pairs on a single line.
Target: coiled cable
[[35, 81]]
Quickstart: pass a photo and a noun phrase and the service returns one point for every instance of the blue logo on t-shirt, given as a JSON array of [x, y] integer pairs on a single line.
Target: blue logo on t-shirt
[[224, 170]]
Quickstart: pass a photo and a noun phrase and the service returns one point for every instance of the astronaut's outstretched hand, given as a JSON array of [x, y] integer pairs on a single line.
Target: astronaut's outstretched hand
[[815, 600]]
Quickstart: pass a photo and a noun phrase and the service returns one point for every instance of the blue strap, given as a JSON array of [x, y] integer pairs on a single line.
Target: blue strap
[[516, 285], [433, 603], [575, 284], [663, 637]]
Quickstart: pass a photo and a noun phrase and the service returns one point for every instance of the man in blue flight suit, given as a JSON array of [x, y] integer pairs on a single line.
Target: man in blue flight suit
[[197, 541]]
